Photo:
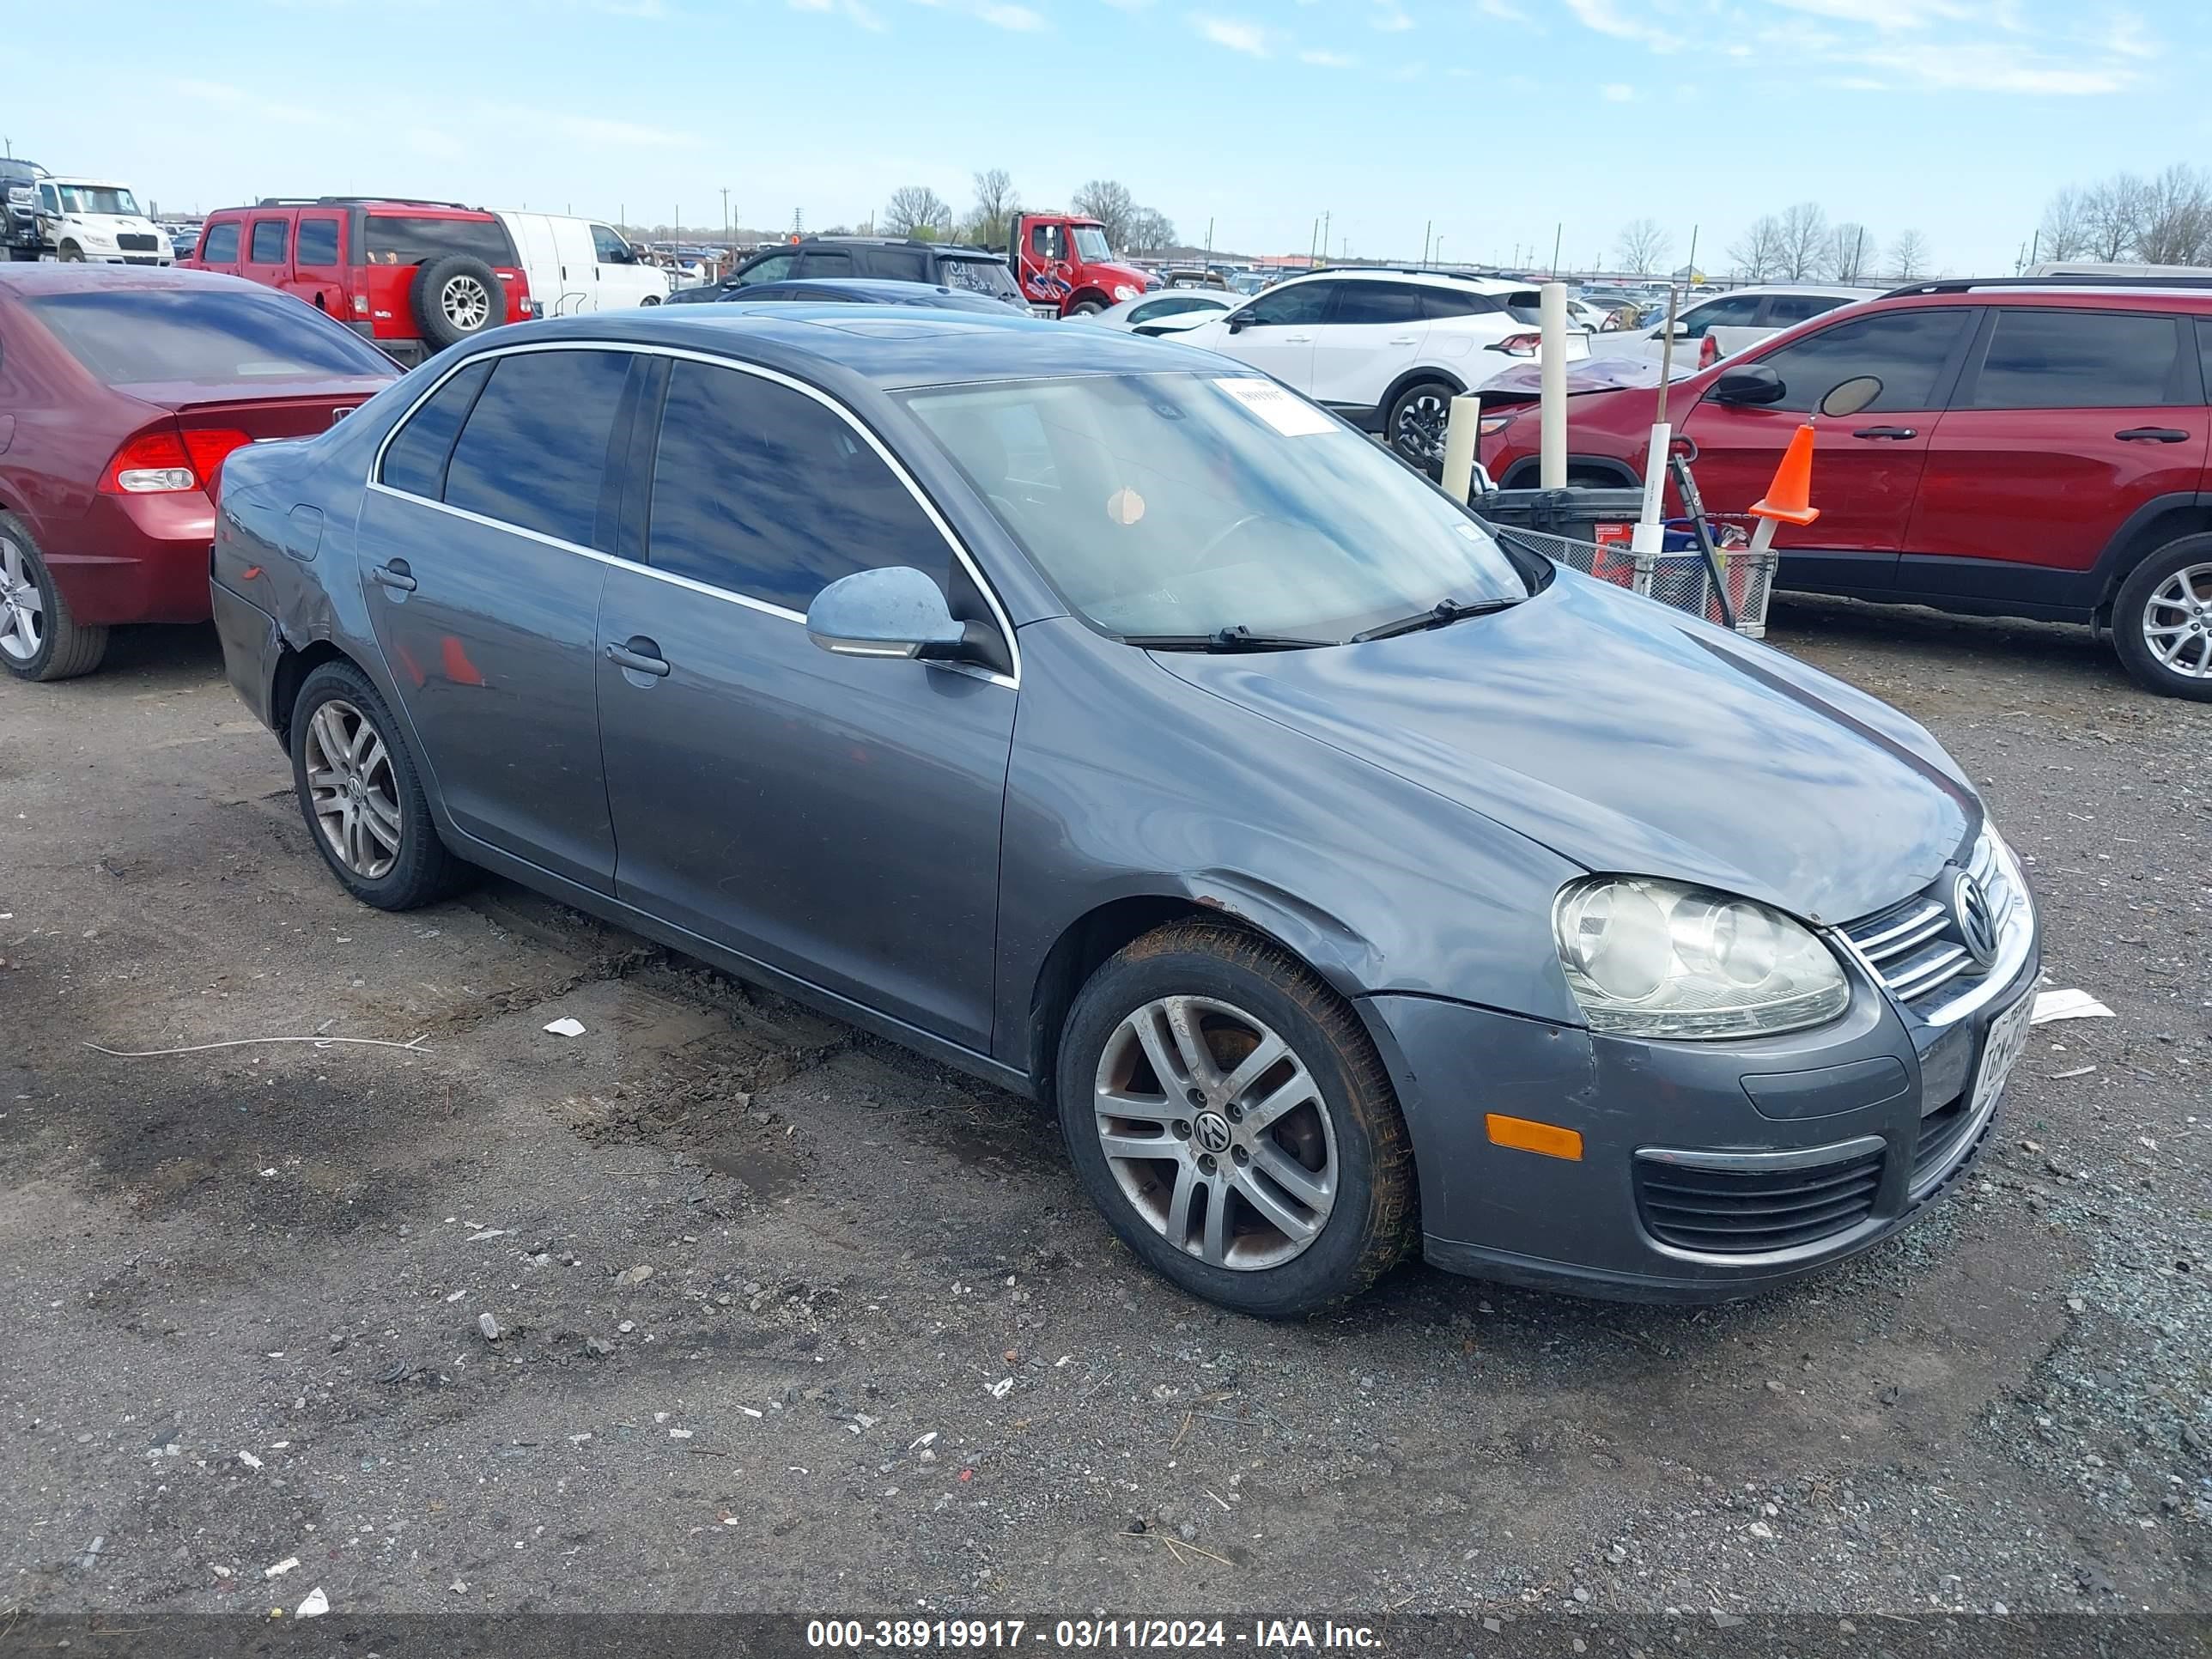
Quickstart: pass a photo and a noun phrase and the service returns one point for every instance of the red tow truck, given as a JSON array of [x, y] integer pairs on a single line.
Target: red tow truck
[[1063, 259]]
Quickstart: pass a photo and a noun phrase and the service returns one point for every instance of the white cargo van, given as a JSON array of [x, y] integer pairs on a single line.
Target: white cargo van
[[579, 265]]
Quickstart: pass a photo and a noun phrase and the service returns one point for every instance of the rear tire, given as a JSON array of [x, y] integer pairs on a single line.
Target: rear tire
[[40, 639], [2162, 620], [1416, 422], [361, 794], [455, 299], [1272, 1186]]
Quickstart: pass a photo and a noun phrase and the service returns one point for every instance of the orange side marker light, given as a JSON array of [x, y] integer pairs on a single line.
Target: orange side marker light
[[1526, 1134]]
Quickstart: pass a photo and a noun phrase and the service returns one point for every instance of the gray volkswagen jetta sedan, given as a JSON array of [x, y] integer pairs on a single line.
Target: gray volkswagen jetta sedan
[[1094, 715]]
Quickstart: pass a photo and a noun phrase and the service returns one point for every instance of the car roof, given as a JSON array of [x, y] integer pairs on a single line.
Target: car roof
[[26, 280], [910, 347], [878, 290], [1433, 278], [1828, 290], [2144, 294]]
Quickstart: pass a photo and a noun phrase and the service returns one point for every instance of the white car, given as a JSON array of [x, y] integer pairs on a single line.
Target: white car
[[1387, 350], [579, 265], [99, 222], [1733, 321], [1168, 310]]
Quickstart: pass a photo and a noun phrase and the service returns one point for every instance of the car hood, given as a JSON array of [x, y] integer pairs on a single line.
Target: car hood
[[1632, 739]]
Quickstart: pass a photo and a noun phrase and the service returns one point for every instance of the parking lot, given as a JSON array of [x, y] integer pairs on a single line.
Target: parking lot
[[788, 1319]]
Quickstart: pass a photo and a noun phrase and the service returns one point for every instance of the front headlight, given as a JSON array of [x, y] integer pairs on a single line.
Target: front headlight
[[1651, 959], [1124, 291]]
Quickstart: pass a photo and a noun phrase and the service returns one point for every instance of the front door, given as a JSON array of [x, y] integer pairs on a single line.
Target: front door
[[835, 817], [481, 564], [1275, 333], [2064, 423], [1372, 331], [1866, 469]]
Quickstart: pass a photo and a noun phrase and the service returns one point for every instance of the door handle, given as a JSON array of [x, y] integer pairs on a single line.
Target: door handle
[[1401, 339], [395, 576], [1886, 431], [2152, 434], [1298, 339], [639, 654]]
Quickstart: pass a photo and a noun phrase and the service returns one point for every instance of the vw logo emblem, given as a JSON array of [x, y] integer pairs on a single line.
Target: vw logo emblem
[[1213, 1132], [1970, 911]]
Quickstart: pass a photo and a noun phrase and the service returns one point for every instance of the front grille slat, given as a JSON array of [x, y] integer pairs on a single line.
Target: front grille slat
[[137, 242], [1721, 1212], [1915, 947]]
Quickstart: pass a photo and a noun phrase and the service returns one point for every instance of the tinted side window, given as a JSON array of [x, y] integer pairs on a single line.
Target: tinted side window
[[1377, 303], [773, 269], [1303, 303], [415, 459], [609, 248], [1439, 303], [316, 242], [824, 262], [899, 264], [2040, 358], [1786, 310], [1907, 349], [220, 246], [1739, 312], [534, 451], [760, 489], [268, 242]]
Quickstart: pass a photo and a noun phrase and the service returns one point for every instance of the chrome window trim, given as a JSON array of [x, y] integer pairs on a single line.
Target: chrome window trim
[[375, 481]]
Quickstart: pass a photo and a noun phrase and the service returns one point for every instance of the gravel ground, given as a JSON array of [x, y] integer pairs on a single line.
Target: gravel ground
[[788, 1320]]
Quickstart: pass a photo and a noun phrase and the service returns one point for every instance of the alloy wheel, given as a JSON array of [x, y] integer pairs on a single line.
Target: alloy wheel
[[22, 611], [466, 303], [1217, 1132], [353, 790], [2177, 622], [1420, 433]]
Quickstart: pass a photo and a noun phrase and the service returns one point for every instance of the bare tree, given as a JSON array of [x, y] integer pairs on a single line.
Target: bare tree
[[2112, 212], [2065, 233], [917, 210], [1643, 246], [1849, 254], [997, 202], [1758, 254], [1908, 255], [2175, 223], [1804, 241], [1110, 203], [1150, 231]]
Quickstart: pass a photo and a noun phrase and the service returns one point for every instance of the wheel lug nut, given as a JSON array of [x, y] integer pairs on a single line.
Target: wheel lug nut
[[1205, 1162], [1236, 1113], [1242, 1157], [1196, 1097], [1182, 1129]]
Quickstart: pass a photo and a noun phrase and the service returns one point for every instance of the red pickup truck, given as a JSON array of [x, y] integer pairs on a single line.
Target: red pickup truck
[[1064, 259]]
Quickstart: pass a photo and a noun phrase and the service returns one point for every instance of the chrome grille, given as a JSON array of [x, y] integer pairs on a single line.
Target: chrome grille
[[137, 241], [1916, 951]]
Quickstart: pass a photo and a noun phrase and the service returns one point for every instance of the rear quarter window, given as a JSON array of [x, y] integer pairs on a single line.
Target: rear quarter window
[[397, 240], [214, 337]]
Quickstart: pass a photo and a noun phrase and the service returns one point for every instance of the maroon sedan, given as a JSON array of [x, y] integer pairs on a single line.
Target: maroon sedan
[[121, 390]]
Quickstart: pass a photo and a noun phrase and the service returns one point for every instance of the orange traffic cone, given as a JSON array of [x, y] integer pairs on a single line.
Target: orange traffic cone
[[1789, 498]]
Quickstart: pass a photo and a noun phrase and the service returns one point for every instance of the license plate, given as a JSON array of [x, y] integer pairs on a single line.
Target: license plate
[[2001, 1051]]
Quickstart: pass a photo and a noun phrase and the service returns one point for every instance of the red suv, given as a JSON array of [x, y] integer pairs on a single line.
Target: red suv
[[2038, 449], [413, 277]]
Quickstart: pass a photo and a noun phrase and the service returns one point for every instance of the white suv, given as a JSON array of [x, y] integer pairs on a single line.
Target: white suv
[[1387, 350], [90, 219]]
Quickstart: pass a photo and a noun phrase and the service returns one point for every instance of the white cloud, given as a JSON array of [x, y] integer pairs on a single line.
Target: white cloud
[[1390, 17], [856, 11], [1249, 39], [1889, 15], [1617, 92], [1020, 19], [1321, 59], [1504, 10], [1996, 66], [1614, 18]]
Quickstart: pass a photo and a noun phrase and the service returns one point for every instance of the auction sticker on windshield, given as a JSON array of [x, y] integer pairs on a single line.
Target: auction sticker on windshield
[[1291, 416], [2001, 1052]]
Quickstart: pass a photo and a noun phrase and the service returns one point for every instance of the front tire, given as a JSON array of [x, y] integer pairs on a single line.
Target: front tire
[[1086, 308], [70, 254], [1416, 424], [40, 639], [1227, 1113], [2162, 620], [361, 794]]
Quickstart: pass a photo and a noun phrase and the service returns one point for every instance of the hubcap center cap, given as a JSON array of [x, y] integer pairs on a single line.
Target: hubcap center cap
[[1212, 1132]]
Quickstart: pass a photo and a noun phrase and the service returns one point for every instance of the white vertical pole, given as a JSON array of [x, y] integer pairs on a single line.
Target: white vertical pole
[[1649, 536], [1553, 315], [1460, 433]]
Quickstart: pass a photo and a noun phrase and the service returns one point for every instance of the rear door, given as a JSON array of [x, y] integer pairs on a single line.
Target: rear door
[[481, 560], [319, 261], [2064, 423], [1373, 332], [269, 250], [1867, 473], [821, 262]]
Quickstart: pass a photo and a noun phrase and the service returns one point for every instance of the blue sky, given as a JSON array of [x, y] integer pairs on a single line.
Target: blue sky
[[1494, 118]]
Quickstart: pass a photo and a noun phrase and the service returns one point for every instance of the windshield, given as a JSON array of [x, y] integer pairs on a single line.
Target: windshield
[[1182, 504], [988, 276], [99, 198], [130, 337], [1090, 245]]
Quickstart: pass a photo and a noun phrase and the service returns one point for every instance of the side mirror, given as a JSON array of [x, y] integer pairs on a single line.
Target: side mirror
[[1240, 320], [1752, 383], [1850, 397], [895, 612]]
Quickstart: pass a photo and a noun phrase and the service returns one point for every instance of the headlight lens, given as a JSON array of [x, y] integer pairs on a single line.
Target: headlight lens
[[1124, 291], [1652, 959]]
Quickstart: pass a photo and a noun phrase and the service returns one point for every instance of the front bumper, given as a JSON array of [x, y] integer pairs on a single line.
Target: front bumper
[[1694, 1155]]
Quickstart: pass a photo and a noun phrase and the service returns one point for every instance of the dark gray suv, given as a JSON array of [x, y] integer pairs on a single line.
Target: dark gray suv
[[1091, 714]]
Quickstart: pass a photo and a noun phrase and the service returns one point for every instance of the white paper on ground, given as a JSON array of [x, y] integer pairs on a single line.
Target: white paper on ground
[[566, 1026], [315, 1606], [2067, 1005]]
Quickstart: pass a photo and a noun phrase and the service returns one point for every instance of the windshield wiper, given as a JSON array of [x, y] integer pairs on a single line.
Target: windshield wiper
[[1440, 614], [1224, 641]]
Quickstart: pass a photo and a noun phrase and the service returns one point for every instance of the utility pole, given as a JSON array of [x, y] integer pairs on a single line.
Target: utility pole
[[1558, 231], [1428, 229], [1324, 234], [1209, 236], [725, 212], [1313, 246]]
